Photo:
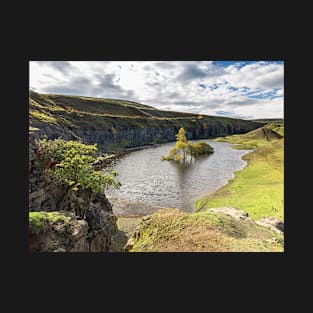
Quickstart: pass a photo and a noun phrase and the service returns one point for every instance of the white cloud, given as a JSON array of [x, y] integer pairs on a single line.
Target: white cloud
[[252, 90]]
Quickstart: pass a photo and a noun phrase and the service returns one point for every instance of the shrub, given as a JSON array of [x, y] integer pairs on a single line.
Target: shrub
[[72, 163]]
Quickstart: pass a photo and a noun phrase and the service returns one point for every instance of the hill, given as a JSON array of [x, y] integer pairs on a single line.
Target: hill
[[118, 124], [171, 230]]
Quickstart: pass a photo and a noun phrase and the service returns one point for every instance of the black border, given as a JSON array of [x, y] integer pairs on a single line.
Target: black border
[[171, 266]]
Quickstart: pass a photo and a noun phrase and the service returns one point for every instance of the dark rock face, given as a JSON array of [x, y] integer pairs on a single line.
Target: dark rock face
[[92, 217], [129, 137]]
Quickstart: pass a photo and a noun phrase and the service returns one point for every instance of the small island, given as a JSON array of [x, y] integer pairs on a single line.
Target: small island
[[183, 147]]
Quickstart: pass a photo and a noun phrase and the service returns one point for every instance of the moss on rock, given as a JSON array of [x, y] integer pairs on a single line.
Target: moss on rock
[[38, 220]]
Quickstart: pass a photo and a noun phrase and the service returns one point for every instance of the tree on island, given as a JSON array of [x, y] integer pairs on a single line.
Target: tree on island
[[184, 147]]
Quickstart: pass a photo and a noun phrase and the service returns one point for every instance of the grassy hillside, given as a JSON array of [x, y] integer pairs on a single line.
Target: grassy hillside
[[259, 188], [171, 230], [73, 117], [98, 106]]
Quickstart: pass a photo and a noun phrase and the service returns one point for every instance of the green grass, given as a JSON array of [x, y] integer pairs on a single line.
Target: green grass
[[43, 117], [257, 189], [38, 220]]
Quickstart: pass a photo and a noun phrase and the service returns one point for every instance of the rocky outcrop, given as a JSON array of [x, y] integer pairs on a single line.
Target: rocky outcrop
[[128, 137], [234, 212], [60, 236], [272, 223], [91, 213]]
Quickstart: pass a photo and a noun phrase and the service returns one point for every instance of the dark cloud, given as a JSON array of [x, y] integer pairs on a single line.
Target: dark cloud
[[98, 86], [165, 65], [107, 88], [105, 81], [174, 95], [153, 84], [244, 102], [191, 71], [63, 66], [78, 87]]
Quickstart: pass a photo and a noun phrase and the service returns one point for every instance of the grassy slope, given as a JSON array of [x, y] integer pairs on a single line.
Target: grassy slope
[[258, 188], [171, 230]]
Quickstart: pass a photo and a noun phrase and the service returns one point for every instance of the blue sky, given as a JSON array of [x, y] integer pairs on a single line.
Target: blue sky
[[242, 89]]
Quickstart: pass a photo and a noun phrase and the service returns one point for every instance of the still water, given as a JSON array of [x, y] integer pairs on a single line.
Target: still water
[[148, 183]]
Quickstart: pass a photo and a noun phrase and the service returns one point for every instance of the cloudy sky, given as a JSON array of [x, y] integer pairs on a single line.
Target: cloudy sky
[[243, 89]]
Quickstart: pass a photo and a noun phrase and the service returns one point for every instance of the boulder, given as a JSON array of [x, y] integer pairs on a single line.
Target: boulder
[[231, 211], [272, 223]]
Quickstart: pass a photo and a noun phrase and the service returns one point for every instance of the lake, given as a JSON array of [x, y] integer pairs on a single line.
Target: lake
[[148, 183]]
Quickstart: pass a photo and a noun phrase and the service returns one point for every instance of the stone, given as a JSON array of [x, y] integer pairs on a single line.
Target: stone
[[272, 223], [231, 211], [129, 245]]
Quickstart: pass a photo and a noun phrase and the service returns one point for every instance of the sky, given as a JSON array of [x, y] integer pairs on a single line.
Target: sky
[[238, 89]]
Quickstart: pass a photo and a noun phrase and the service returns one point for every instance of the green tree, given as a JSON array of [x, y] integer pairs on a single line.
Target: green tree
[[72, 162], [184, 147], [181, 135]]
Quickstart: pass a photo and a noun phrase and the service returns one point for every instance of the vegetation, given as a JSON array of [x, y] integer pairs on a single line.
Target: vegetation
[[183, 147], [38, 220], [72, 163], [259, 188], [171, 230], [44, 117]]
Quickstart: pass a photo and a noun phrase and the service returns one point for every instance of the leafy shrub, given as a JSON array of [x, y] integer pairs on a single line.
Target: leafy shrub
[[72, 163]]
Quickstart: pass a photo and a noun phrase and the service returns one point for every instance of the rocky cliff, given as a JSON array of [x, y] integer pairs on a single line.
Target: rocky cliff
[[115, 125], [63, 220]]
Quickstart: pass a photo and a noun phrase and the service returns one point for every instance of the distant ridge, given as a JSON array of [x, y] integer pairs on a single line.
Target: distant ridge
[[119, 124]]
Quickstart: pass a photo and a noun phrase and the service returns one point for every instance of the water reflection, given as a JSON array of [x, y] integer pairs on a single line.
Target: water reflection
[[185, 169]]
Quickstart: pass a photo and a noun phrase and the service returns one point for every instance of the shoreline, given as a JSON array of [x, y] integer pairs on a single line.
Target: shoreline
[[228, 181], [258, 188]]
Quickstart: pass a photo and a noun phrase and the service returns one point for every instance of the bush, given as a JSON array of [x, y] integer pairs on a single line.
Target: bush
[[72, 163]]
